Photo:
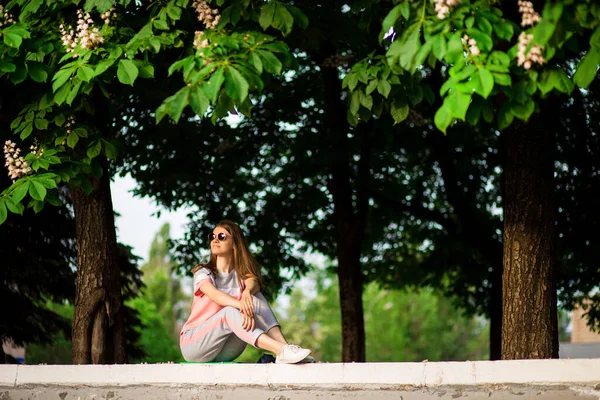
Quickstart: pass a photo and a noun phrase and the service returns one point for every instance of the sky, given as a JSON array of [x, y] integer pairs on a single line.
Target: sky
[[137, 225]]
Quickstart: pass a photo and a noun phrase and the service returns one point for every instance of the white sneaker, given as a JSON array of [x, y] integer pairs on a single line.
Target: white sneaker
[[291, 354], [308, 360]]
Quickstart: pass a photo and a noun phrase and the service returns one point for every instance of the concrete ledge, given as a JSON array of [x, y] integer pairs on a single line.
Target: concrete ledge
[[523, 379]]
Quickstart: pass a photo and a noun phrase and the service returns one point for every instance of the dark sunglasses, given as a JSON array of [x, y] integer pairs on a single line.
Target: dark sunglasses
[[221, 236]]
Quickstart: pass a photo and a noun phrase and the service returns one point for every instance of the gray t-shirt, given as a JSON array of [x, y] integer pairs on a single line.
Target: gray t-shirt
[[227, 283]]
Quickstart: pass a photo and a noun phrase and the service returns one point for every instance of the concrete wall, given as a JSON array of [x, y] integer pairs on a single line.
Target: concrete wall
[[531, 379]]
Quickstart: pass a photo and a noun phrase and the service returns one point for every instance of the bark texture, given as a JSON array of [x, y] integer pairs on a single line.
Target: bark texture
[[529, 315], [98, 328]]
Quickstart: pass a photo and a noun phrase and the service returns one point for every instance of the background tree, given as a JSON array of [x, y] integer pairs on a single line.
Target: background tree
[[401, 325], [163, 306]]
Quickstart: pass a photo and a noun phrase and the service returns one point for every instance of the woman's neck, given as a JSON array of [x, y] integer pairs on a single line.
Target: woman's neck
[[224, 264]]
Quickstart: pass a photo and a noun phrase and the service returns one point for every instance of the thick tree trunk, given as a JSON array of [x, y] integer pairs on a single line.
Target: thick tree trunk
[[98, 328], [529, 313]]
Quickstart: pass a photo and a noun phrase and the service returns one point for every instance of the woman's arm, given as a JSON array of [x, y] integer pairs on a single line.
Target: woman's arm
[[219, 297], [251, 285]]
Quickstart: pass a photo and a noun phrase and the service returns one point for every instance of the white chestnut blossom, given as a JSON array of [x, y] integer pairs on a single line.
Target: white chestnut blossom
[[5, 17], [206, 15], [472, 45], [528, 15], [16, 164], [199, 42], [534, 56], [69, 124], [106, 16], [442, 7], [85, 34]]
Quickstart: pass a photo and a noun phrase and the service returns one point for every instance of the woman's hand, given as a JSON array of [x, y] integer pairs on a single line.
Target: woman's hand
[[246, 303], [248, 322]]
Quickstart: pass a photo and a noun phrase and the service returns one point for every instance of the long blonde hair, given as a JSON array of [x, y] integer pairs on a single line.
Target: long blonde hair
[[244, 263]]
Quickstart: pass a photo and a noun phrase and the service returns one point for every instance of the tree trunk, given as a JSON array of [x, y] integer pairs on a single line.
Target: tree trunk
[[350, 209], [351, 288], [529, 312], [98, 328]]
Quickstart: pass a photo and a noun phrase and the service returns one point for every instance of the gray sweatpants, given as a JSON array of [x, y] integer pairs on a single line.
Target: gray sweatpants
[[222, 338]]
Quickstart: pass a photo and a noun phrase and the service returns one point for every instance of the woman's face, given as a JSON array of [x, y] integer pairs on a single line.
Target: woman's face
[[222, 244]]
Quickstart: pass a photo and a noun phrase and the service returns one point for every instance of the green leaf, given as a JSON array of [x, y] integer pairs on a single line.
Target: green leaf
[[454, 53], [236, 86], [271, 63], [213, 86], [37, 191], [399, 110], [487, 82], [6, 66], [355, 102], [366, 101], [146, 71], [483, 24], [505, 116], [439, 46], [266, 15], [588, 68], [61, 77], [504, 29], [390, 20], [254, 60], [127, 72], [405, 49], [502, 79], [299, 17], [543, 32], [59, 120], [174, 12], [12, 39], [3, 211], [85, 73], [72, 139], [103, 66], [16, 122], [198, 100], [523, 111], [20, 192], [561, 81], [37, 72], [16, 208], [41, 124], [371, 86], [442, 118], [94, 149], [47, 183], [178, 102], [100, 5], [73, 93], [109, 149], [384, 87], [161, 24], [282, 19], [26, 131], [458, 104]]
